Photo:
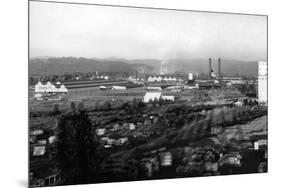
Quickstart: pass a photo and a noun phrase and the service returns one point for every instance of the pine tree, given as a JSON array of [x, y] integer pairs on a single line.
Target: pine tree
[[75, 149], [56, 109], [81, 107], [72, 106]]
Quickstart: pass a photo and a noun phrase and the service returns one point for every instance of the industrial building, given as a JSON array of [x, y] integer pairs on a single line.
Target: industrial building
[[161, 78], [151, 96], [50, 88], [169, 79], [154, 79], [262, 82], [155, 96], [104, 77], [168, 98]]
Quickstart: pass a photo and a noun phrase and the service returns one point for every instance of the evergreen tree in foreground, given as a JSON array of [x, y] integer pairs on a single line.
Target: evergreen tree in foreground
[[75, 149]]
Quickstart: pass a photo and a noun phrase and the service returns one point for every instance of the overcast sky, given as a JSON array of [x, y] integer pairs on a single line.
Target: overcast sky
[[91, 31]]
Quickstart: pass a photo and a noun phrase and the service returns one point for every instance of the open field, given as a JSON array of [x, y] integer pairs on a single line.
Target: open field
[[95, 94], [92, 95], [100, 95]]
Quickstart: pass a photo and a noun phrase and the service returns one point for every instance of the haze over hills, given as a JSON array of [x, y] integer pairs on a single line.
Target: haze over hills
[[72, 64], [57, 65], [228, 67]]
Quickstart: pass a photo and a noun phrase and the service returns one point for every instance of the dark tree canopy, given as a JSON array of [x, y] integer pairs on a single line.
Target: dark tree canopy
[[72, 106], [75, 150], [56, 109], [81, 106]]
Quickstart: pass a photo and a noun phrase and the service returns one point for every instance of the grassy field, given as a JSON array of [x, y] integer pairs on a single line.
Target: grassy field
[[95, 93], [92, 95]]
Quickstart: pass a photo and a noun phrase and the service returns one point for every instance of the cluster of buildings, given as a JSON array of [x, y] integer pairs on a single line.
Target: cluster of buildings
[[108, 142], [262, 82], [135, 80], [155, 161], [121, 133], [43, 175], [144, 134], [217, 80], [201, 160], [104, 77], [50, 88], [46, 177], [39, 140], [161, 79]]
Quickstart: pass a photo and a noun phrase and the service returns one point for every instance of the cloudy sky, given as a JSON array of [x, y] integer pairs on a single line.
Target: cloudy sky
[[58, 29]]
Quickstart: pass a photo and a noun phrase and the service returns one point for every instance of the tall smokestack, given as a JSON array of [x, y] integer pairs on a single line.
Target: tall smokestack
[[219, 71], [219, 68], [210, 68]]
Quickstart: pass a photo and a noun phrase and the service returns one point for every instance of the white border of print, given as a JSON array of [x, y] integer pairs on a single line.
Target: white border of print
[[13, 93]]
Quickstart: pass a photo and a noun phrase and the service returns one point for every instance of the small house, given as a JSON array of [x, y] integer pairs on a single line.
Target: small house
[[51, 139], [165, 158], [132, 126], [45, 177], [100, 132], [39, 150]]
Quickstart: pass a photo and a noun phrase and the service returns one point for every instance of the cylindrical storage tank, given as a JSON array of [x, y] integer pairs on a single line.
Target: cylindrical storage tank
[[210, 67], [190, 76]]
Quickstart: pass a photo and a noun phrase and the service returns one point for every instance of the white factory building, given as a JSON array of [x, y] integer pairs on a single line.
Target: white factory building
[[105, 77], [169, 79], [154, 79], [151, 96], [155, 96], [161, 78], [262, 82], [50, 88]]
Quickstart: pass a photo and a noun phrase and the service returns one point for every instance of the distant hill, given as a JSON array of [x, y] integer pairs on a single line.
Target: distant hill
[[72, 64]]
